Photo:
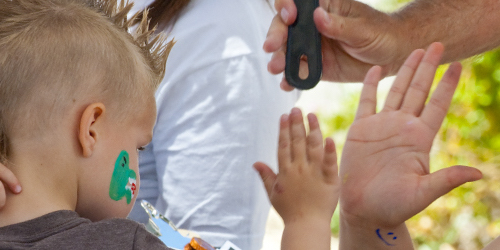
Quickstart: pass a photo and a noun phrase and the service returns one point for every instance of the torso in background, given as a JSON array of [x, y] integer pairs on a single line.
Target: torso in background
[[218, 113]]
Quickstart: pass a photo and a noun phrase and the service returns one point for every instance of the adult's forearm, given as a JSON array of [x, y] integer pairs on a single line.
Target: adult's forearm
[[465, 27]]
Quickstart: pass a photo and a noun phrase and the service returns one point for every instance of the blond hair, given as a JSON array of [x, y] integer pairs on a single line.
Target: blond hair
[[54, 53]]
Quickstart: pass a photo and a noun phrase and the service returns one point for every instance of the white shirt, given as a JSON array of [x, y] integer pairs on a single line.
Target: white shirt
[[218, 113]]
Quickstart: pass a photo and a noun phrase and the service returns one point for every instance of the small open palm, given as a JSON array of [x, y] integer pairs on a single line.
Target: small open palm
[[384, 168], [306, 185]]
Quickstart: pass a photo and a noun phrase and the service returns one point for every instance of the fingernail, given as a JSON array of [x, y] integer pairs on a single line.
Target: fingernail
[[326, 17], [311, 117], [284, 118], [17, 189], [284, 15]]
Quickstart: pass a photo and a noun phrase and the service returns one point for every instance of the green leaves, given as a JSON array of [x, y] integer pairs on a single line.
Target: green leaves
[[469, 216]]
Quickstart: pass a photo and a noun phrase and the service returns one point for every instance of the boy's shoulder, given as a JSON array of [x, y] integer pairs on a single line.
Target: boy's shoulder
[[67, 230]]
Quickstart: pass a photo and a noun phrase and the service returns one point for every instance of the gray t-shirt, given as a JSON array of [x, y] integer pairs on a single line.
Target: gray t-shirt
[[67, 230]]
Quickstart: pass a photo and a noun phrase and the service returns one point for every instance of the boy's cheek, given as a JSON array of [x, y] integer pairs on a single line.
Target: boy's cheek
[[101, 206], [124, 183], [111, 193]]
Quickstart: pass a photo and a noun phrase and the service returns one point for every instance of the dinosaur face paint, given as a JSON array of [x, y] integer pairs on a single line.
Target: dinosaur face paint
[[123, 181]]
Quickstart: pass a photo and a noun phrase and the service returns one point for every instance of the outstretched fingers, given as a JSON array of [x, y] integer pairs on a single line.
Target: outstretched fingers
[[435, 111], [284, 144], [298, 136], [329, 166], [322, 157], [267, 175], [314, 141], [402, 81], [421, 83], [368, 100]]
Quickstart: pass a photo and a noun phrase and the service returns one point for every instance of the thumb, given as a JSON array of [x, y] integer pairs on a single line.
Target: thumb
[[350, 31], [443, 181], [267, 175], [353, 23]]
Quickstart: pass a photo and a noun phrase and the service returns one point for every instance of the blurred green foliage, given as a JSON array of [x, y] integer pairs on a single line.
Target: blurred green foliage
[[468, 217]]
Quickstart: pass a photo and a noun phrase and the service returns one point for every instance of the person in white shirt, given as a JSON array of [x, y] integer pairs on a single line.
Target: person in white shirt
[[217, 113]]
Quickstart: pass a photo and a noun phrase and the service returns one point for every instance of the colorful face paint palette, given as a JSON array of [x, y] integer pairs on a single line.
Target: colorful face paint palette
[[164, 228], [166, 231]]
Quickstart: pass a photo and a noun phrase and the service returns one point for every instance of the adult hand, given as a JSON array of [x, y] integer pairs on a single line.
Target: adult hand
[[354, 38], [7, 178], [385, 163]]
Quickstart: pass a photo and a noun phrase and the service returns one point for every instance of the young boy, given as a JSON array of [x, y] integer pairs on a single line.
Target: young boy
[[77, 103]]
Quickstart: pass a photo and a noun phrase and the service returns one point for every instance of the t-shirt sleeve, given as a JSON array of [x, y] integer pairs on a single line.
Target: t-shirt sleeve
[[146, 240]]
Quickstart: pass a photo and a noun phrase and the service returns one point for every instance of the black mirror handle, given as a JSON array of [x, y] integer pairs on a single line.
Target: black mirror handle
[[304, 40]]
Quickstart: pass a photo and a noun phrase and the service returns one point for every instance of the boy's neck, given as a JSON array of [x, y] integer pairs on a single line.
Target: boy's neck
[[49, 183]]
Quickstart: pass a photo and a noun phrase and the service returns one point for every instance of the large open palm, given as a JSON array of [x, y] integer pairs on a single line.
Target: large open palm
[[385, 163]]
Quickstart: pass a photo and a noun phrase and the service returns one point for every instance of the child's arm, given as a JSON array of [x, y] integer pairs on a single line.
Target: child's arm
[[305, 191], [7, 178], [384, 168]]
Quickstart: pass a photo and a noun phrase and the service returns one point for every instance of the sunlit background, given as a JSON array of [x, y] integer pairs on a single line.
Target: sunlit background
[[467, 218]]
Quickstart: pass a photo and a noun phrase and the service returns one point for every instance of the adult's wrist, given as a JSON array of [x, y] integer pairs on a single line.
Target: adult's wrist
[[356, 233], [404, 33]]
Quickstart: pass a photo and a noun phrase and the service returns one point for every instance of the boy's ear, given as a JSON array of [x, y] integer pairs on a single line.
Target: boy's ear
[[88, 128]]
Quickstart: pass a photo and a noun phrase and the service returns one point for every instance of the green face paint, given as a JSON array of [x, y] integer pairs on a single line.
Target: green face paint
[[123, 181]]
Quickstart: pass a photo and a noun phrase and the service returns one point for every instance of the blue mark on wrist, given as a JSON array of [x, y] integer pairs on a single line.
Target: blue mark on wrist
[[391, 234]]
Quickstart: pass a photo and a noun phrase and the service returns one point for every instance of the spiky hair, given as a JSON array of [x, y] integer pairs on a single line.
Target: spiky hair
[[53, 52]]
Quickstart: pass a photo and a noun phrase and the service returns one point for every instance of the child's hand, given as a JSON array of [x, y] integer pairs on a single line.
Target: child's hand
[[385, 163], [305, 191], [8, 178]]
